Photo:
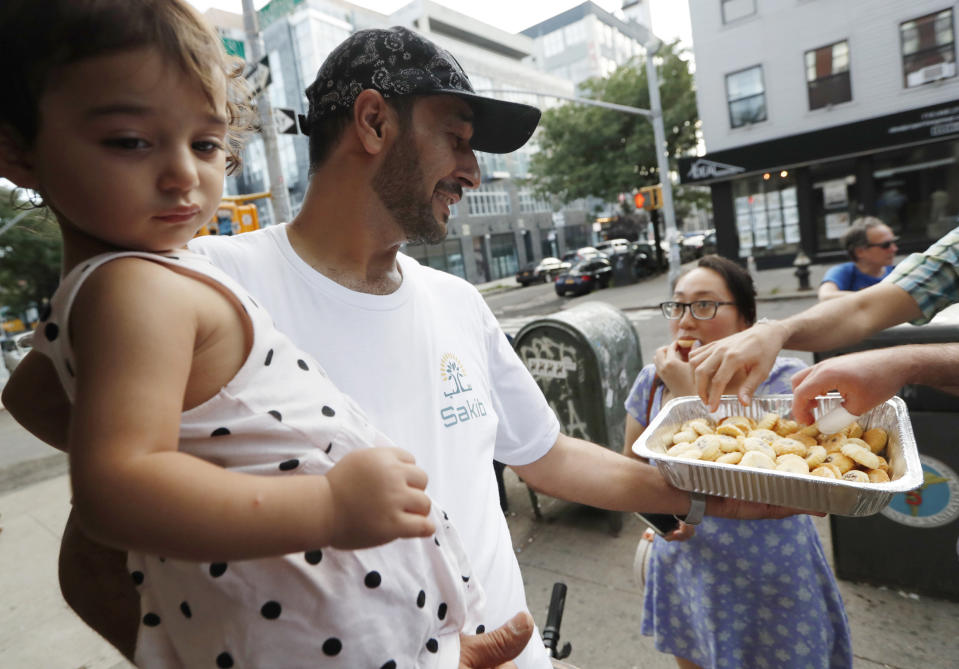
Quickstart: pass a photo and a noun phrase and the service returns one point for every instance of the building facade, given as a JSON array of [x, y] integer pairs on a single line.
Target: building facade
[[815, 112]]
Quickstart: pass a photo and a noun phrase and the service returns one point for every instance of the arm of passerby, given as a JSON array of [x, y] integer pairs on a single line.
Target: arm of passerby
[[868, 378], [34, 397], [132, 488], [634, 431], [494, 650], [580, 471], [822, 327]]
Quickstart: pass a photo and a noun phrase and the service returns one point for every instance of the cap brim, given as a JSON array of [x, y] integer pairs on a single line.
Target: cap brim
[[499, 126]]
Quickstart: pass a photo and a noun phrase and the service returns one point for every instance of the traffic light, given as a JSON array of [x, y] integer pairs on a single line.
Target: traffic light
[[640, 200], [652, 197]]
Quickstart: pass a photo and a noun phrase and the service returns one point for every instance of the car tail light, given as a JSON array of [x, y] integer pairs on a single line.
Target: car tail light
[[585, 277]]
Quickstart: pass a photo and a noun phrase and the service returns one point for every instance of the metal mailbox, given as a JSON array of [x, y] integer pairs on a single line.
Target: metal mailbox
[[585, 360]]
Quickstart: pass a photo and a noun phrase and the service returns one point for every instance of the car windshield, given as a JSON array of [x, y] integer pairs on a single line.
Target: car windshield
[[584, 266]]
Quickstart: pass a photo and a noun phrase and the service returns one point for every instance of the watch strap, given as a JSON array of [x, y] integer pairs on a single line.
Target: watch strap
[[697, 508]]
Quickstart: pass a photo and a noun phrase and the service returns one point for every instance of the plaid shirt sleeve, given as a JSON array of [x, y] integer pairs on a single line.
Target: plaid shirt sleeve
[[931, 277]]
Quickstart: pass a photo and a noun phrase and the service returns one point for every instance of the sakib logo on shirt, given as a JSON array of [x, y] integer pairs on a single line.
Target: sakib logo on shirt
[[457, 390]]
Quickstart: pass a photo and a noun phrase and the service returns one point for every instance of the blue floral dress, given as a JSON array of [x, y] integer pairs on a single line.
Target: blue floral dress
[[744, 593]]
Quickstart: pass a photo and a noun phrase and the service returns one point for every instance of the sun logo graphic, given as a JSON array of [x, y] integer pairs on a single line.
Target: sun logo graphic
[[451, 371]]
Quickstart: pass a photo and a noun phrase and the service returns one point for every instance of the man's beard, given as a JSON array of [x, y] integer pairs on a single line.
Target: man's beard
[[397, 184]]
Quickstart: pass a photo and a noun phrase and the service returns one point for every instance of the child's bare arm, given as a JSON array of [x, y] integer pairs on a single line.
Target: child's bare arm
[[134, 490], [34, 397]]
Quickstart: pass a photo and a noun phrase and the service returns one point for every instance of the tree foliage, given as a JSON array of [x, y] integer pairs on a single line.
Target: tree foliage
[[29, 255], [590, 151]]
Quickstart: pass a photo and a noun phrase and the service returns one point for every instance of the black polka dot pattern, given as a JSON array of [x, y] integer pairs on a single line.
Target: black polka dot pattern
[[269, 358], [421, 599], [332, 646], [432, 645], [466, 579], [271, 610], [220, 432], [328, 411], [287, 465], [480, 629], [224, 660], [373, 579], [137, 577], [389, 665], [50, 331], [186, 610], [276, 414], [217, 569], [441, 612], [151, 620], [313, 557], [302, 365], [329, 448]]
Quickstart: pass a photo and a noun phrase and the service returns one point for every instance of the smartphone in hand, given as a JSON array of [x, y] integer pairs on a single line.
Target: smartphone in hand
[[661, 523]]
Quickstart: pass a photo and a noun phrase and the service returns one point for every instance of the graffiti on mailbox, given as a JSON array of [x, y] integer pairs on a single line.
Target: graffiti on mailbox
[[553, 364]]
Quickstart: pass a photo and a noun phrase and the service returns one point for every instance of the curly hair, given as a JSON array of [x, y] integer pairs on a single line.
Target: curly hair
[[857, 236], [38, 37]]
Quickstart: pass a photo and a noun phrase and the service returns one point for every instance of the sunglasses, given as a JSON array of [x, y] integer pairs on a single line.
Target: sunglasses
[[886, 244]]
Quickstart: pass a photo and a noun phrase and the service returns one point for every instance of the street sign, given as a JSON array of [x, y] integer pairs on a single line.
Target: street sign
[[258, 75], [284, 120]]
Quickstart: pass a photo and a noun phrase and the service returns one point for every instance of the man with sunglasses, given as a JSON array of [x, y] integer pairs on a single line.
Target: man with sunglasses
[[871, 246], [917, 289]]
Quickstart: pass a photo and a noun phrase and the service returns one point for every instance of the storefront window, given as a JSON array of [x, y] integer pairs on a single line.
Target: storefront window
[[917, 191], [767, 216], [446, 256], [503, 255], [576, 237]]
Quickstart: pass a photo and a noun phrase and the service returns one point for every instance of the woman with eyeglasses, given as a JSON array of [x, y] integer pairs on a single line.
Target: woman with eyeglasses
[[871, 247], [756, 593]]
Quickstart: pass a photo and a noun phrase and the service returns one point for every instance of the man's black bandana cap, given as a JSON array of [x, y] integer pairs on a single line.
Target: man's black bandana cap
[[399, 62]]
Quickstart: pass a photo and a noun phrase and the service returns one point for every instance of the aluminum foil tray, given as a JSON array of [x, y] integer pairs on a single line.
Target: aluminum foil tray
[[801, 491]]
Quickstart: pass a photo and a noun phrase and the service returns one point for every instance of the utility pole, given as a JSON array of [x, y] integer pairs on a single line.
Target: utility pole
[[278, 192]]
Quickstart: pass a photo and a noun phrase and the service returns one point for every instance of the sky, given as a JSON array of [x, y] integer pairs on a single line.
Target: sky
[[670, 18]]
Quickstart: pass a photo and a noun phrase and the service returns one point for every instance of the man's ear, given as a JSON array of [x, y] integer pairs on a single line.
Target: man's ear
[[373, 119], [16, 163]]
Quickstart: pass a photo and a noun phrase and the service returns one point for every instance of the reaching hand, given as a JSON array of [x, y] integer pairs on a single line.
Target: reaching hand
[[864, 379], [752, 352], [494, 650], [681, 533], [378, 496]]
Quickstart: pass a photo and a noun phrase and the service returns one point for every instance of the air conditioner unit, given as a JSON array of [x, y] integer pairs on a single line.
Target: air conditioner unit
[[931, 73]]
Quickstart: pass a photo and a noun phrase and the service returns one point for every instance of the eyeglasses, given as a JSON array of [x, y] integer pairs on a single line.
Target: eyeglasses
[[702, 310], [886, 244]]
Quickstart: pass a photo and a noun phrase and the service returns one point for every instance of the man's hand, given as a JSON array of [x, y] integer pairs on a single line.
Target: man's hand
[[752, 352], [494, 650], [378, 495], [864, 379], [724, 507]]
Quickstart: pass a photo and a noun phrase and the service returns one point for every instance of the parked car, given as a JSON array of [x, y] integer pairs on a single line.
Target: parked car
[[582, 253], [545, 270], [16, 348], [644, 259], [584, 276], [613, 247], [692, 247]]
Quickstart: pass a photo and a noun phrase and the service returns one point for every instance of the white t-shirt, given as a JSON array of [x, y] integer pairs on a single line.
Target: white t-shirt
[[433, 370]]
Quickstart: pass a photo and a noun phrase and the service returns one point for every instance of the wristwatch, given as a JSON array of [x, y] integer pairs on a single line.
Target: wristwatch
[[697, 507]]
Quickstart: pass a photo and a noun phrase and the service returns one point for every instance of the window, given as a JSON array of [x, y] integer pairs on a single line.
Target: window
[[575, 33], [747, 96], [553, 43], [827, 75], [529, 202], [485, 201], [928, 48], [733, 10]]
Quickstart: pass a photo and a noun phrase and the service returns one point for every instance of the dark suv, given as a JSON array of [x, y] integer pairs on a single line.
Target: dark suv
[[584, 276]]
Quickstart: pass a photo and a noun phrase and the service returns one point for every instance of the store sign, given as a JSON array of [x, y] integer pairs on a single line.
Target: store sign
[[875, 134]]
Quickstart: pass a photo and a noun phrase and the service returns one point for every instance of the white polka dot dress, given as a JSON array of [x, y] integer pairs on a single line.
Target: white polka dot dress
[[400, 605]]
